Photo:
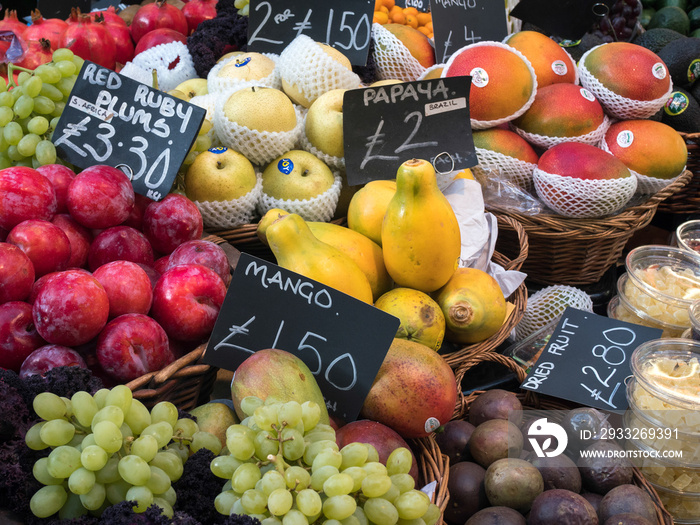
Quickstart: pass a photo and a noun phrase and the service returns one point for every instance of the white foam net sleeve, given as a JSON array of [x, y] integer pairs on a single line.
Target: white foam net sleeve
[[137, 73], [260, 147], [304, 64], [485, 124], [429, 70], [392, 57], [583, 198], [545, 141], [215, 83], [547, 305], [515, 170], [333, 162], [616, 105], [160, 58], [233, 213], [320, 208], [645, 185]]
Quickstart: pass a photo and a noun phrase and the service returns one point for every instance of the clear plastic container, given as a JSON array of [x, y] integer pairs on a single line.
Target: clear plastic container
[[688, 236], [694, 314], [683, 506], [620, 308]]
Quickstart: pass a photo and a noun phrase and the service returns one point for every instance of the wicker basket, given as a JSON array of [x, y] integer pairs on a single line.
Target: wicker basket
[[572, 251], [687, 201], [186, 382], [433, 465]]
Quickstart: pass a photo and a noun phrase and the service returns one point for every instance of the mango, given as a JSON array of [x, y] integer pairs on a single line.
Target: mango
[[420, 233], [421, 318], [215, 418], [414, 392], [473, 305], [276, 374], [368, 206]]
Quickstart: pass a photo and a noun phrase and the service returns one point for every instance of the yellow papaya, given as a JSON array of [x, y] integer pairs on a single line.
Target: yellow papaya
[[420, 232], [367, 208], [473, 305]]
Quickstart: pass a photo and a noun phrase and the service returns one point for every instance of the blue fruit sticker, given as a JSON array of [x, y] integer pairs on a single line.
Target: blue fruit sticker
[[241, 63], [285, 166], [218, 149]]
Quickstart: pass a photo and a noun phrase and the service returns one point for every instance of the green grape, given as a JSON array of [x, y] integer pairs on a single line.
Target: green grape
[[432, 515], [45, 152], [93, 457], [72, 508], [266, 416], [27, 146], [203, 130], [240, 3], [166, 508], [81, 481], [279, 502], [376, 485], [294, 517], [248, 403], [339, 507], [271, 481], [6, 115], [239, 430], [48, 73], [171, 464], [312, 449], [224, 466], [134, 470], [88, 441], [241, 447], [403, 482], [142, 496], [108, 413], [32, 86], [224, 502], [297, 478], [94, 499], [391, 494], [57, 432], [14, 154], [3, 84], [338, 485], [399, 461], [23, 106], [46, 106], [120, 396], [116, 491], [63, 461], [145, 446], [161, 430], [179, 449], [320, 475], [254, 501], [48, 406], [412, 504], [108, 436], [51, 92], [327, 456], [309, 502], [138, 417], [62, 53], [58, 109], [185, 427], [310, 414], [16, 93], [360, 516], [353, 455], [319, 435], [66, 68], [375, 467], [379, 510], [292, 444], [202, 143], [23, 77], [357, 474], [289, 413], [206, 440], [100, 397], [265, 444], [84, 406], [170, 496], [78, 61], [110, 472], [41, 474], [190, 157], [65, 85], [6, 99], [372, 454], [159, 482], [164, 411], [245, 477], [243, 11], [48, 500]]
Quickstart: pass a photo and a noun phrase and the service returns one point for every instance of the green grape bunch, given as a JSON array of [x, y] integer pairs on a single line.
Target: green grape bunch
[[31, 106], [283, 467], [107, 448]]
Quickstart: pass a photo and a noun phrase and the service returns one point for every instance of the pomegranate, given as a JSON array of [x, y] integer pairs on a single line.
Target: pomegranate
[[49, 28], [157, 37], [38, 52], [197, 11], [11, 23], [157, 15], [110, 16], [89, 40], [122, 39]]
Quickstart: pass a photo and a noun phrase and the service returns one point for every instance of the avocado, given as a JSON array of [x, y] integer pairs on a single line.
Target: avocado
[[655, 39], [682, 57], [682, 112], [672, 17]]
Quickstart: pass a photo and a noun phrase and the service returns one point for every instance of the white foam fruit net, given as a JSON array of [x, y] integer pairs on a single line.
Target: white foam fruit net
[[320, 208], [206, 102], [392, 57], [583, 198], [593, 137], [646, 185], [215, 83], [546, 306], [137, 73], [616, 105], [304, 64], [485, 124], [515, 170], [233, 213], [260, 147], [172, 62], [332, 161]]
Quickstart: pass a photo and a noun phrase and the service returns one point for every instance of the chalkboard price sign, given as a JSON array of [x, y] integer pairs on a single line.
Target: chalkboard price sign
[[342, 340], [458, 23], [587, 359], [420, 5], [386, 125], [346, 25], [112, 119]]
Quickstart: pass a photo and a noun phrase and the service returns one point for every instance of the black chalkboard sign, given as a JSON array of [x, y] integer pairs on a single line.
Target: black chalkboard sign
[[587, 359], [112, 119], [342, 340], [61, 8], [346, 25], [384, 126], [458, 23], [569, 19], [422, 5]]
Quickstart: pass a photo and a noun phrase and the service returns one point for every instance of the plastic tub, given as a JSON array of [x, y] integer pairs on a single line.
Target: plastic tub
[[620, 308], [688, 236], [663, 282], [684, 507], [694, 314]]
